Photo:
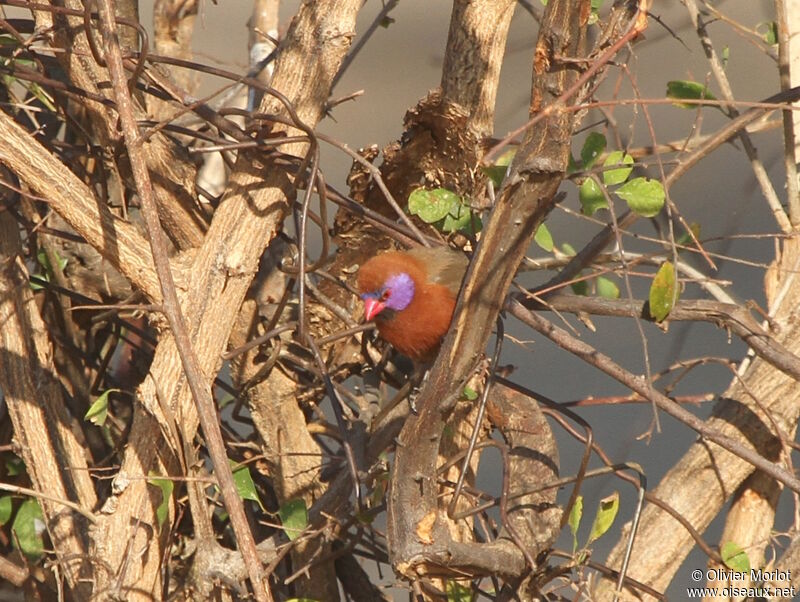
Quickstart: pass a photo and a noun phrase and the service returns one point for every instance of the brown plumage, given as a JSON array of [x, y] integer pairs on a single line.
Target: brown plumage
[[411, 295]]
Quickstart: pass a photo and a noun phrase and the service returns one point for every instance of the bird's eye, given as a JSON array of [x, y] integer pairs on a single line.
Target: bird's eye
[[385, 294]]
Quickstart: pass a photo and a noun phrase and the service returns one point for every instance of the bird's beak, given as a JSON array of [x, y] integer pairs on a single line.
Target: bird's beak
[[372, 307]]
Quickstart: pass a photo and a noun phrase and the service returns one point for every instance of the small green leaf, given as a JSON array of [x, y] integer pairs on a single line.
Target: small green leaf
[[28, 529], [386, 22], [431, 205], [768, 31], [606, 513], [543, 238], [245, 486], [379, 488], [612, 177], [497, 172], [581, 287], [461, 219], [735, 558], [686, 239], [457, 592], [469, 394], [294, 517], [663, 292], [98, 411], [44, 261], [42, 96], [644, 196], [575, 515], [14, 466], [591, 196], [166, 486], [568, 249], [607, 288], [6, 507], [686, 90], [593, 147], [572, 166], [726, 55], [226, 399]]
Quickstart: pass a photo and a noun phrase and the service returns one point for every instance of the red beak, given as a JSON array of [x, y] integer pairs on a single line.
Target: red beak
[[372, 307]]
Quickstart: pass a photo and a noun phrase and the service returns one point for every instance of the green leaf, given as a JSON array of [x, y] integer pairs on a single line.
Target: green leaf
[[98, 411], [543, 238], [612, 177], [735, 558], [575, 515], [593, 147], [591, 197], [686, 239], [497, 171], [47, 270], [572, 166], [432, 205], [663, 292], [469, 394], [28, 528], [607, 288], [457, 592], [225, 400], [644, 196], [606, 513], [44, 261], [386, 22], [686, 90], [245, 486], [166, 486], [580, 288], [14, 466], [379, 488], [294, 517], [768, 31], [568, 250], [6, 507], [42, 96], [460, 219]]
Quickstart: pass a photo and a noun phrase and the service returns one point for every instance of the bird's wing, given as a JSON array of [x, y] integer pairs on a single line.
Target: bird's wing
[[443, 265]]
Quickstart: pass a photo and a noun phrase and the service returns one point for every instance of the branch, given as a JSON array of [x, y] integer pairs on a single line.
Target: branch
[[248, 218], [197, 382], [733, 317], [53, 455], [524, 202], [116, 240]]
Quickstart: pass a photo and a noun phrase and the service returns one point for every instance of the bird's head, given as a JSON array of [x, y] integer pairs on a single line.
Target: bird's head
[[395, 294]]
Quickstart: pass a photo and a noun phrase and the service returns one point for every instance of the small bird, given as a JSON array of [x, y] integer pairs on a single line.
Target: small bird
[[411, 296]]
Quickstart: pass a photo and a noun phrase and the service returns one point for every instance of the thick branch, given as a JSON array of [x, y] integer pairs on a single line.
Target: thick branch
[[53, 453], [475, 48], [247, 219], [524, 203], [117, 241]]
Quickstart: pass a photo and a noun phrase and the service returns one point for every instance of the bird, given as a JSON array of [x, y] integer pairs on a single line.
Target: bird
[[411, 296]]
